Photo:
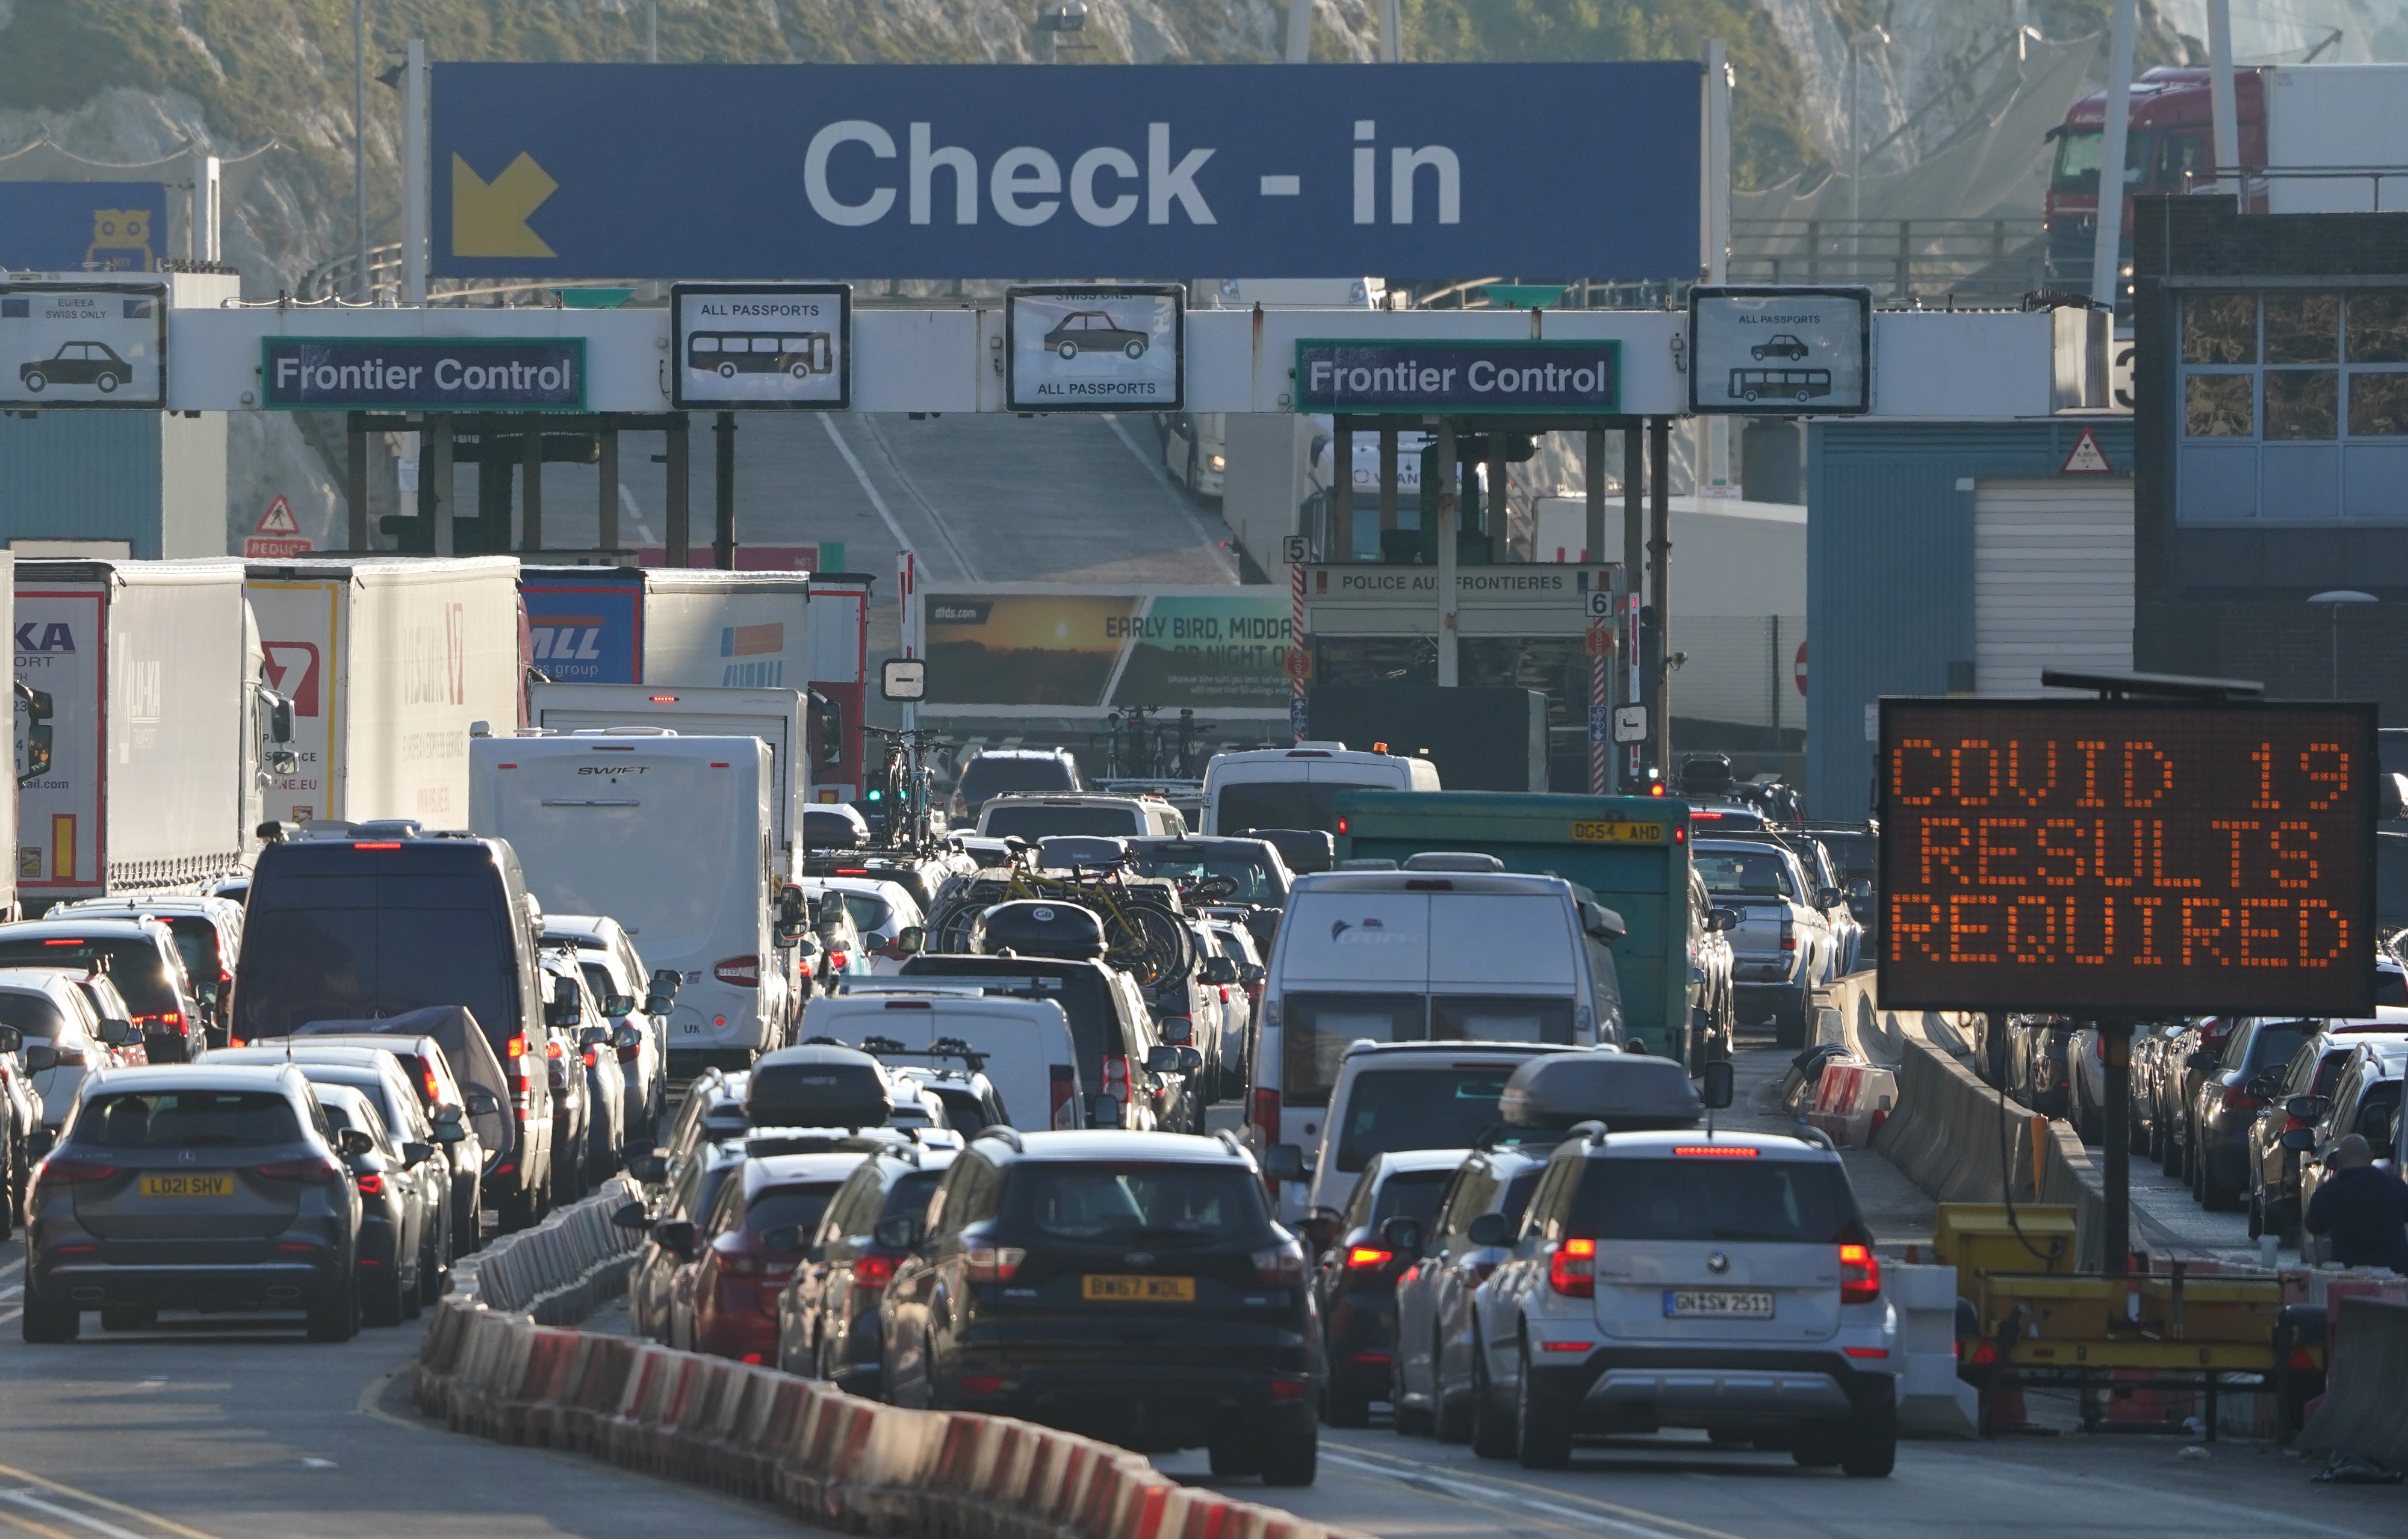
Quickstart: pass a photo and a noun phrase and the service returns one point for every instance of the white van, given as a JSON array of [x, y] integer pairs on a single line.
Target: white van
[[1451, 948], [1299, 786], [676, 838], [1031, 1059]]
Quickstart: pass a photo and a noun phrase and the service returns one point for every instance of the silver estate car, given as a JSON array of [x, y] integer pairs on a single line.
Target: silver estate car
[[188, 1187]]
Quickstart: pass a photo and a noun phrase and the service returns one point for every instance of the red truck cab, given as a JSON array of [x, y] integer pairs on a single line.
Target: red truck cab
[[2171, 151]]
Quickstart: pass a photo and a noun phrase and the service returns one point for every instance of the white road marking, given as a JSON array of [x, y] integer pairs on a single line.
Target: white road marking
[[869, 423], [1176, 493], [1596, 1515], [27, 1499], [852, 463]]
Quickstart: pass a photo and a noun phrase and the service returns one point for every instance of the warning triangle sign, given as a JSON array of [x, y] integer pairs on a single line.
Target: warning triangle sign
[[278, 518], [2087, 459]]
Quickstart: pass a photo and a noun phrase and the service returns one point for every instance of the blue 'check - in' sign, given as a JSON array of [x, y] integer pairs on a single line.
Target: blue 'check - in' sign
[[1170, 171]]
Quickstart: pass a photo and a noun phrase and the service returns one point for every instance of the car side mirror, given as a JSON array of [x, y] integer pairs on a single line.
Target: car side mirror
[[1219, 970], [2300, 1140], [355, 1141], [667, 981], [1601, 924], [414, 1154], [630, 1215], [1191, 1061], [40, 1057], [2200, 1061], [1179, 1030], [1285, 1163], [10, 1039], [1860, 891], [676, 1237], [2267, 1082], [1164, 1059], [117, 1033], [565, 1009], [2308, 1108], [911, 940], [1487, 1230], [648, 1167], [1829, 897], [896, 1231], [620, 1005], [481, 1102], [1252, 973], [1715, 1085], [1104, 1111], [449, 1133], [659, 1003], [1722, 921], [1403, 1235], [791, 931], [625, 1037]]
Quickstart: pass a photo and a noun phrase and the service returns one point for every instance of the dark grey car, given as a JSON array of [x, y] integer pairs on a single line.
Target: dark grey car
[[194, 1187]]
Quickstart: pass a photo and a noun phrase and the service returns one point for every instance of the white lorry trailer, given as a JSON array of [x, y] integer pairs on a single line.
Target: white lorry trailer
[[387, 665], [774, 716], [146, 690], [674, 836]]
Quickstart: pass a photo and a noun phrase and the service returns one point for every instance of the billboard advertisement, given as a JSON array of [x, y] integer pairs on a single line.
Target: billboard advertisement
[[792, 171], [1028, 649], [2132, 857]]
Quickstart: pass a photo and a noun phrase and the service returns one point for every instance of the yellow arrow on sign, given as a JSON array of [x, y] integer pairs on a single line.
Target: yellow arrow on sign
[[489, 219]]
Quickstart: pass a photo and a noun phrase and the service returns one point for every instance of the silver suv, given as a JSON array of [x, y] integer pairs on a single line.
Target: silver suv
[[1723, 1281]]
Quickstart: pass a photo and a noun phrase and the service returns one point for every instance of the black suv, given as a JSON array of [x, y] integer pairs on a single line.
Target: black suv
[[1128, 1286]]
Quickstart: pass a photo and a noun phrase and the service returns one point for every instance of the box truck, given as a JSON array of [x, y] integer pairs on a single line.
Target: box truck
[[143, 682], [387, 665], [728, 629], [675, 838], [774, 716]]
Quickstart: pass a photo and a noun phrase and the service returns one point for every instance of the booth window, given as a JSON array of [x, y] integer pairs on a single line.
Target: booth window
[[2294, 407]]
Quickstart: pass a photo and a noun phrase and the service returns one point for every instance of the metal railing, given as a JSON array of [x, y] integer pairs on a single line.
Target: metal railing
[[1899, 259]]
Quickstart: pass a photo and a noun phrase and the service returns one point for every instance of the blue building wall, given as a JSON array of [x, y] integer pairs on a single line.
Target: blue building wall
[[154, 479], [1889, 568]]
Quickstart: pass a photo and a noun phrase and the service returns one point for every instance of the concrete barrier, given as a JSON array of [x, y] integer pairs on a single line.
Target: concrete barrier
[[1932, 1401], [488, 1366], [2363, 1411]]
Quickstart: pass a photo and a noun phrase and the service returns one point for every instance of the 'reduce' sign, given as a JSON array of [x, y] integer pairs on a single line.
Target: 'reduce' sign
[[2082, 858]]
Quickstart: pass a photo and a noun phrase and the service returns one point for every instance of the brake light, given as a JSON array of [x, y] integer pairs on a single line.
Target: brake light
[[1866, 1351], [737, 971], [992, 1263], [872, 1270], [2303, 1361], [1713, 1151], [74, 1173], [371, 1184], [1984, 1354], [1788, 935], [1062, 1090], [552, 1049], [1860, 1275], [516, 1051], [838, 959], [1566, 1346], [385, 845], [1363, 1258], [1571, 1270], [1116, 1076], [164, 1021], [316, 1173], [1282, 1265], [426, 1077], [2237, 1099], [664, 699], [590, 1059], [629, 1054]]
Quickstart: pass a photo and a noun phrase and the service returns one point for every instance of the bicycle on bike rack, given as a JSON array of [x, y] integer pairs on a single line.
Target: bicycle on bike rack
[[896, 795]]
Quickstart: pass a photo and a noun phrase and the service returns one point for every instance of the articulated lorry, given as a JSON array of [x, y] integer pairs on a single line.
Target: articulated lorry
[[388, 665], [145, 727], [679, 626]]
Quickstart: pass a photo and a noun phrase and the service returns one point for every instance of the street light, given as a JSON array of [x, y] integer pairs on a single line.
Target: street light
[[1055, 20], [2334, 600], [1866, 41]]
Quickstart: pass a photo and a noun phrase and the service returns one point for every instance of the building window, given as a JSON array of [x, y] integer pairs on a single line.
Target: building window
[[2294, 407]]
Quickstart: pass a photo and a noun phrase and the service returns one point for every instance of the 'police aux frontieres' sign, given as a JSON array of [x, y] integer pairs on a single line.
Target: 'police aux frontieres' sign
[[724, 171]]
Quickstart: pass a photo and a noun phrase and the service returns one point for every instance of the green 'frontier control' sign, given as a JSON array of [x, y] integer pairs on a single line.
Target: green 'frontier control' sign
[[1526, 377]]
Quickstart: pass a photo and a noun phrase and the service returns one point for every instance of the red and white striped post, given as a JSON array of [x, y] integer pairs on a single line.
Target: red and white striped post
[[1600, 658], [1299, 661], [907, 593]]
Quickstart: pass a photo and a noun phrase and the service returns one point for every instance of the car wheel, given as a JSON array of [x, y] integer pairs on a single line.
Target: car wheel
[[1871, 1450], [1292, 1462], [2136, 1133], [129, 1316], [1540, 1443], [34, 380], [727, 371], [1068, 350], [1234, 1457], [336, 1316], [2256, 1217], [431, 1273], [1818, 1448], [1135, 349], [517, 1211], [1492, 1429], [1751, 395], [800, 371], [108, 383], [46, 1323], [1345, 1406], [2214, 1195], [380, 1300], [1805, 395]]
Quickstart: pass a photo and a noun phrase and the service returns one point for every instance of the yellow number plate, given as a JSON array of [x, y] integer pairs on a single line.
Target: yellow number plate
[[1619, 833], [1135, 1289], [188, 1186]]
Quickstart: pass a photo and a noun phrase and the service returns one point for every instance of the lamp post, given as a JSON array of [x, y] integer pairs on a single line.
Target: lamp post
[[2334, 601], [1055, 20], [1865, 42]]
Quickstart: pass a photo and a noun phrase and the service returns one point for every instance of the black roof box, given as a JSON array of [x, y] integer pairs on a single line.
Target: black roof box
[[1039, 927], [1631, 1092], [818, 1087]]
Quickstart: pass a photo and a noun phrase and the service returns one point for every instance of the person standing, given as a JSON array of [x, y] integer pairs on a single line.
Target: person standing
[[2364, 1209]]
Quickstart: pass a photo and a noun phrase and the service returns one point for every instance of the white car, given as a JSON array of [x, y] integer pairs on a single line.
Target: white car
[[616, 973], [64, 1040], [881, 911], [1679, 1280]]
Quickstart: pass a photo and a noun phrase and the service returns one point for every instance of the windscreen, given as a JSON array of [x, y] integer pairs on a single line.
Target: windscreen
[[1389, 1111], [991, 775], [338, 1117], [795, 1209], [909, 1197], [870, 912], [1412, 1195], [1037, 821], [1858, 856], [1731, 1200], [134, 965], [32, 1014], [2077, 161], [1256, 883], [2390, 988], [186, 1119], [342, 948], [1111, 1203], [2272, 1046], [1280, 803], [1502, 1018], [1736, 874], [1317, 1028], [196, 942]]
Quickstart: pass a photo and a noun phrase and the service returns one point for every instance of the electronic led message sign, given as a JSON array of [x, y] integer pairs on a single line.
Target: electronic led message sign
[[2082, 857]]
